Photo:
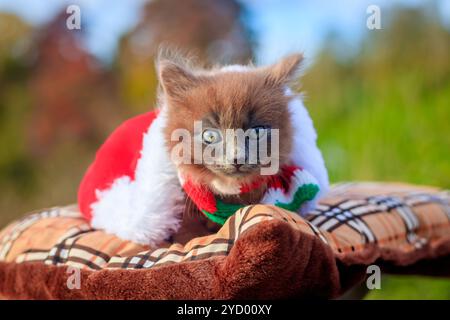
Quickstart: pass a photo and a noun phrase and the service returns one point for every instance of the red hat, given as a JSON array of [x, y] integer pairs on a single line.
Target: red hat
[[132, 189]]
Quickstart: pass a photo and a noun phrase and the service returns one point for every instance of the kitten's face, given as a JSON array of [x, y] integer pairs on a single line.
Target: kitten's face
[[250, 103]]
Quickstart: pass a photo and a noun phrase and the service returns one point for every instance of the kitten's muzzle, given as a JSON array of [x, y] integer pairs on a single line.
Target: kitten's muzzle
[[234, 169]]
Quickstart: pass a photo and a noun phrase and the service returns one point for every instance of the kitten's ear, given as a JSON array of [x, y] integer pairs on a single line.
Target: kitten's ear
[[175, 79], [285, 70]]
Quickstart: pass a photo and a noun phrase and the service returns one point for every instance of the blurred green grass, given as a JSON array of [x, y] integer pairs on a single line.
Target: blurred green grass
[[411, 288], [373, 132], [384, 115]]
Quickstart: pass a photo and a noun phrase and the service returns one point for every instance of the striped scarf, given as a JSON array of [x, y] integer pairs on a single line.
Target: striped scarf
[[289, 190]]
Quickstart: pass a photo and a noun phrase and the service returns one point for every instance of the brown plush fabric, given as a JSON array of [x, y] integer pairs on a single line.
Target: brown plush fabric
[[262, 252]]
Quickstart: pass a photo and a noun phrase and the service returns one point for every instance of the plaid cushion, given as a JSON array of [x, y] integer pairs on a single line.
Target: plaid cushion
[[353, 216]]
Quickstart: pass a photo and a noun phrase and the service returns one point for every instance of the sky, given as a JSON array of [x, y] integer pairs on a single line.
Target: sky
[[281, 26]]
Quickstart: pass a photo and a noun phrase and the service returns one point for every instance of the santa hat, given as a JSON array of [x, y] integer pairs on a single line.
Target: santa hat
[[132, 188]]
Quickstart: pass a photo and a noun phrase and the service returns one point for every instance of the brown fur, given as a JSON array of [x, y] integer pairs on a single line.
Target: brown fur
[[233, 97], [230, 100]]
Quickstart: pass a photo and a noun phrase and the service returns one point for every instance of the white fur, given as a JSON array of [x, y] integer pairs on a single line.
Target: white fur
[[235, 68], [305, 152], [146, 210], [229, 188]]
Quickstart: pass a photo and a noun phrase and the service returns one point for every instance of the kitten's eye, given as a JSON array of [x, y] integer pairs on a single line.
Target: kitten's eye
[[258, 132], [211, 136]]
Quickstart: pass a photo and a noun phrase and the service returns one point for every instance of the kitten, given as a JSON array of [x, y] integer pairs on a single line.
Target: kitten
[[231, 97], [138, 190]]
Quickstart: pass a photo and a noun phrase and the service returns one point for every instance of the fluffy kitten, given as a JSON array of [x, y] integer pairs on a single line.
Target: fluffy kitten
[[232, 97], [134, 188]]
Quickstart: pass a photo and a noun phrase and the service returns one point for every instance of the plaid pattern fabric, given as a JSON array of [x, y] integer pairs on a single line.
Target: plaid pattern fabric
[[353, 215]]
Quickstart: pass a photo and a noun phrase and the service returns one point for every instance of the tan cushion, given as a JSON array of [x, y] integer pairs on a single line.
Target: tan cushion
[[358, 223]]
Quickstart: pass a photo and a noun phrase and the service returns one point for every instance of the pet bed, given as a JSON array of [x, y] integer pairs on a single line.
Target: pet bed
[[262, 252]]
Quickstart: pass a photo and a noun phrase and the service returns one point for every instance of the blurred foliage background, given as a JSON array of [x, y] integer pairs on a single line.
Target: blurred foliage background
[[382, 111]]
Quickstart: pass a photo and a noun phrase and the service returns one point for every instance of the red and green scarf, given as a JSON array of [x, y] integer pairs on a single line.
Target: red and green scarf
[[290, 189]]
